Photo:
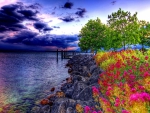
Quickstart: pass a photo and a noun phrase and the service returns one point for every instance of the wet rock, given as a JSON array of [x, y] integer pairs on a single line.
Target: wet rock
[[76, 73], [44, 102], [50, 96], [92, 68], [79, 86], [62, 108], [66, 86], [50, 103], [45, 109], [69, 92], [94, 78], [84, 75], [85, 94], [52, 89], [70, 70], [69, 79], [76, 78], [70, 110], [55, 108]]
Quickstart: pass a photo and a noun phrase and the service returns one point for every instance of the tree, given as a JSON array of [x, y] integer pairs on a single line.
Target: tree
[[112, 39], [144, 33], [125, 25], [92, 35]]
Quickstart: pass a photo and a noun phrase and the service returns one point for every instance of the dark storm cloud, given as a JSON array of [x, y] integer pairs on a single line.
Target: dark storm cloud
[[47, 29], [39, 25], [26, 37], [42, 27], [3, 28], [34, 6], [12, 15], [68, 5], [11, 7], [13, 47], [38, 41], [81, 12], [29, 14], [67, 19], [49, 40], [23, 35]]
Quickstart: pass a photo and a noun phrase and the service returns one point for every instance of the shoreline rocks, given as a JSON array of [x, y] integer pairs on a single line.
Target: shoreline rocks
[[84, 74]]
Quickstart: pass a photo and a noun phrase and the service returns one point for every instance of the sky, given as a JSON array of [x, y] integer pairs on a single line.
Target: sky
[[48, 25]]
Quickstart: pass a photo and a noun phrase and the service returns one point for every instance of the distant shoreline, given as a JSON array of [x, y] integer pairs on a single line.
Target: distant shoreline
[[32, 51]]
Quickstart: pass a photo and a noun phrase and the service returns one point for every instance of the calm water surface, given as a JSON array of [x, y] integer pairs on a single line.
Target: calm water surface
[[25, 78]]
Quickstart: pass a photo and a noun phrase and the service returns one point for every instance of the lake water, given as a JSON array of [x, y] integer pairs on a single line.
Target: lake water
[[26, 78]]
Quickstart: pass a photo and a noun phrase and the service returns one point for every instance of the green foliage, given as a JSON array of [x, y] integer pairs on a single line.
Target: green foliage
[[122, 29], [92, 35], [144, 33], [125, 27]]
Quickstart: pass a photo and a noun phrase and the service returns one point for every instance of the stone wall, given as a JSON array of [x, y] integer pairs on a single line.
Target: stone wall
[[78, 87]]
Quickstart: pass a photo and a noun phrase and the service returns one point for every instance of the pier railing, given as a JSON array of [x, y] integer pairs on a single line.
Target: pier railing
[[68, 54]]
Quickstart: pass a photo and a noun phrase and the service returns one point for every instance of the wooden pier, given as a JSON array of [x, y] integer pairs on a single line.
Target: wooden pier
[[66, 54]]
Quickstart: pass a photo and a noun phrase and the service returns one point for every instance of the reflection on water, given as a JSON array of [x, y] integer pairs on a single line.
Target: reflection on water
[[28, 77]]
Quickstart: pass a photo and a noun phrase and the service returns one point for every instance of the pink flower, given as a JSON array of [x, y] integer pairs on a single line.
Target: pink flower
[[133, 90], [94, 112], [95, 90], [140, 96], [116, 104], [146, 74], [146, 57], [123, 101], [87, 109], [146, 96], [132, 77], [134, 97], [125, 111], [109, 88], [99, 112], [141, 88], [120, 84], [107, 93], [117, 100]]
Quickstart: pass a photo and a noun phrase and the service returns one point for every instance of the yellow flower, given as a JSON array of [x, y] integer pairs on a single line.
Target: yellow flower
[[79, 108]]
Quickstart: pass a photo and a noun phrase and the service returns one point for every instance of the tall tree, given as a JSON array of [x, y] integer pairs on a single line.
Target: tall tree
[[92, 35], [144, 33], [125, 25], [112, 39]]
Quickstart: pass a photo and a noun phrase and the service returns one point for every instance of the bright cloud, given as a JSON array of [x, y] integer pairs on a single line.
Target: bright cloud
[[6, 2]]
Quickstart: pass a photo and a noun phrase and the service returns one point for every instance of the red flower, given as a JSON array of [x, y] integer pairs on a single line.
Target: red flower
[[146, 57], [146, 74]]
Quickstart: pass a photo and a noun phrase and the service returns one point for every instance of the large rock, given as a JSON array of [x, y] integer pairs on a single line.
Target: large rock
[[92, 68], [69, 92], [62, 108], [45, 109], [62, 104], [66, 86], [79, 86], [70, 110], [58, 105], [84, 76], [85, 94], [95, 76]]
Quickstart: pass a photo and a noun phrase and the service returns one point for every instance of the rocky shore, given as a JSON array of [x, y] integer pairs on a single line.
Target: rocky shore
[[77, 89]]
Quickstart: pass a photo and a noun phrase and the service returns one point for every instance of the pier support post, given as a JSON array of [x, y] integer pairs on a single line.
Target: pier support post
[[57, 55], [61, 54]]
